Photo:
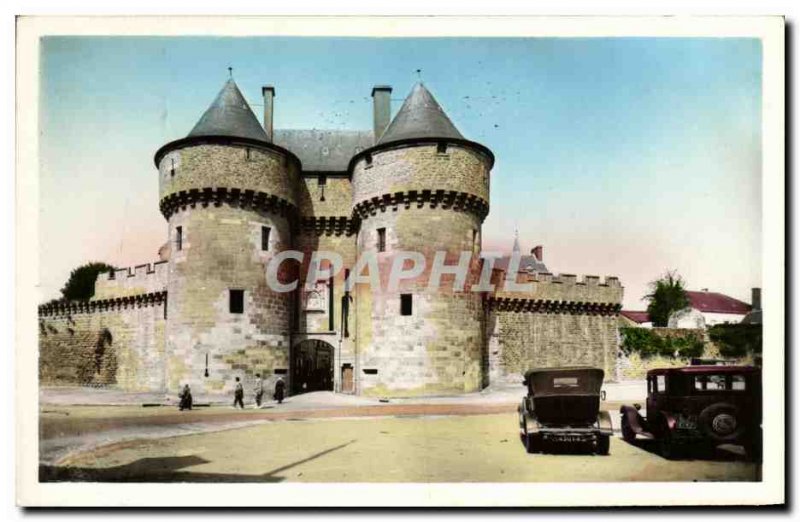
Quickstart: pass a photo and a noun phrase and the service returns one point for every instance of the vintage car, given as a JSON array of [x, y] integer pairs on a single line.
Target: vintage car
[[700, 407], [563, 406]]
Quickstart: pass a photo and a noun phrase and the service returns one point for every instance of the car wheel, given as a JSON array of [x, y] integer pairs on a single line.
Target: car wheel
[[627, 431], [603, 444], [722, 422], [532, 442]]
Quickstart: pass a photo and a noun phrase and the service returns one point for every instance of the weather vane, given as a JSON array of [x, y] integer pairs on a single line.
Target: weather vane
[[419, 75], [230, 72]]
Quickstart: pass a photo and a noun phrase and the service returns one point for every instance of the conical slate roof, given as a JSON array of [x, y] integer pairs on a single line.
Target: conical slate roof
[[419, 117], [229, 115]]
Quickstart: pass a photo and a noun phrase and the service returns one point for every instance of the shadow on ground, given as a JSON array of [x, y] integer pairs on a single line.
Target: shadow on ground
[[723, 453], [164, 469]]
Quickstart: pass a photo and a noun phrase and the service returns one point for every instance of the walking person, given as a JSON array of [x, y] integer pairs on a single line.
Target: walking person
[[259, 390], [280, 386], [238, 394], [185, 398]]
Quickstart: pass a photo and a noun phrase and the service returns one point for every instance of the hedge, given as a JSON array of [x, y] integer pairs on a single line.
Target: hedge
[[648, 343]]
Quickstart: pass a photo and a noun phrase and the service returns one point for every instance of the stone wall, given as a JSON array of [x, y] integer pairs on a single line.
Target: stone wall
[[222, 252], [422, 168], [228, 166], [141, 279], [116, 345], [521, 340]]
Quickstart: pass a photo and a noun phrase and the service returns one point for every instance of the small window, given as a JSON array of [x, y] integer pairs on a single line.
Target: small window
[[236, 302], [406, 306], [112, 275], [661, 383], [172, 167], [265, 238], [178, 238], [565, 382], [441, 147], [381, 240], [368, 159], [371, 371], [738, 383], [281, 371], [247, 153], [322, 180]]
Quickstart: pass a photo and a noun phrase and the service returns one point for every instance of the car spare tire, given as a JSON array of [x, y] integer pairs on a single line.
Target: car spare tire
[[722, 422]]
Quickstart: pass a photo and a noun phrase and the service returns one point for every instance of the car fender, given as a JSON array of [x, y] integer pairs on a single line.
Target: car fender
[[635, 420], [604, 422]]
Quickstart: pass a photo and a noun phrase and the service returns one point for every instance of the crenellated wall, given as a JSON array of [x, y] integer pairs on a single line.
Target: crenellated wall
[[561, 321], [106, 342], [140, 279]]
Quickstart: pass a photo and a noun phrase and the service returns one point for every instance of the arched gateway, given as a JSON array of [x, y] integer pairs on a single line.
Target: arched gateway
[[312, 366]]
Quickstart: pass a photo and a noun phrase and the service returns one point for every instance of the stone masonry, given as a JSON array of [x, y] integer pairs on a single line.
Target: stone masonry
[[236, 194]]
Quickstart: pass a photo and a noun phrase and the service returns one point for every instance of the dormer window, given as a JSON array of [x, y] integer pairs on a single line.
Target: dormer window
[[441, 147]]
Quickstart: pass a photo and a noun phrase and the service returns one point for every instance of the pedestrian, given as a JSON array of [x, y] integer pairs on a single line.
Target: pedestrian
[[238, 394], [259, 390], [279, 388], [185, 397]]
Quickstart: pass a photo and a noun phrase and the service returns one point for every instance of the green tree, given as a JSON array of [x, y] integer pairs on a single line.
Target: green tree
[[80, 285], [667, 295]]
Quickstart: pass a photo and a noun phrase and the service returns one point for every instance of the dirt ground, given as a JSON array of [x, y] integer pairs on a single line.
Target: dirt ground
[[455, 448]]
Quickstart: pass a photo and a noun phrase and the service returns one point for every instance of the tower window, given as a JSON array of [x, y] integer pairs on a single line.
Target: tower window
[[247, 153], [322, 180], [178, 238], [406, 304], [265, 238], [172, 167], [381, 240], [441, 147], [236, 302], [368, 159]]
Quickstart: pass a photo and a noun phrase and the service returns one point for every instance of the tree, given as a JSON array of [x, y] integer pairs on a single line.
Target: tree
[[667, 295], [80, 285]]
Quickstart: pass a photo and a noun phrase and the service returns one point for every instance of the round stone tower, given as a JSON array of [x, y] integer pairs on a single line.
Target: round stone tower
[[422, 188], [228, 195]]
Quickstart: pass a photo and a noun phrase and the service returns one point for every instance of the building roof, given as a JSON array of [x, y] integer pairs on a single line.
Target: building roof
[[714, 302], [636, 316], [323, 150], [229, 115], [421, 116], [526, 264]]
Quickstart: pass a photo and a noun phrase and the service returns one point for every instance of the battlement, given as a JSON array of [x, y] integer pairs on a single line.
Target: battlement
[[135, 280], [566, 288]]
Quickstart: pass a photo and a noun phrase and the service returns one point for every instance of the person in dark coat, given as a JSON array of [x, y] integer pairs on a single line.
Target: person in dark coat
[[280, 386], [238, 394], [185, 398]]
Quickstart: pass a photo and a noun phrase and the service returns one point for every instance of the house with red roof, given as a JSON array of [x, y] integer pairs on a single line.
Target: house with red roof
[[710, 308], [635, 318]]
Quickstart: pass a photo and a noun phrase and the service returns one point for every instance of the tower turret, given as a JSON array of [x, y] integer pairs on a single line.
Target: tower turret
[[422, 188], [228, 195]]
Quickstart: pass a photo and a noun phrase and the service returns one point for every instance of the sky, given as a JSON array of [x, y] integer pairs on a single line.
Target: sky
[[621, 156]]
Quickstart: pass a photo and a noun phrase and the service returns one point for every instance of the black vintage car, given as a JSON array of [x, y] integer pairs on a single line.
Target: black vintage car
[[563, 406], [699, 407]]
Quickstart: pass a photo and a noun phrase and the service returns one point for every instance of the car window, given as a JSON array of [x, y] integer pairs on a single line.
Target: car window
[[718, 383], [737, 383], [565, 382], [661, 383]]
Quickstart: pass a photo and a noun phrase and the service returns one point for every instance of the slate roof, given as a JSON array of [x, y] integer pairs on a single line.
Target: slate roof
[[229, 115], [323, 150], [421, 116], [713, 302], [526, 264], [636, 316]]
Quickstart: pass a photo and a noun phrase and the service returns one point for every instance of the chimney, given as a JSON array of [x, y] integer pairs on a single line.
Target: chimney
[[381, 109], [756, 299], [268, 91], [538, 253]]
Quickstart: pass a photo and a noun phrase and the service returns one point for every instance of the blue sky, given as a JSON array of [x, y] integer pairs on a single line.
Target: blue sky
[[622, 156]]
